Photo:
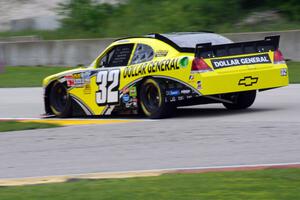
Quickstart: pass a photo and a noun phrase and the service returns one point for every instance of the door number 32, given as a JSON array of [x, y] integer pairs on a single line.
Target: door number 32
[[108, 85]]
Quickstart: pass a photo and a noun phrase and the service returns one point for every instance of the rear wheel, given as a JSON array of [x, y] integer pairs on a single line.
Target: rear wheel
[[60, 101], [152, 100], [242, 100]]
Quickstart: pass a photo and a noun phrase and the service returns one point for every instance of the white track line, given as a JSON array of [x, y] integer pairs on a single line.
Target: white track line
[[227, 166]]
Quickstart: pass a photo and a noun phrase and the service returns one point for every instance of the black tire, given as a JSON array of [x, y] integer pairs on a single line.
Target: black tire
[[242, 100], [152, 100], [60, 101]]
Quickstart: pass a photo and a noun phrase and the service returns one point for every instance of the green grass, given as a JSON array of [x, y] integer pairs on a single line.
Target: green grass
[[17, 126], [27, 76], [294, 72], [271, 184]]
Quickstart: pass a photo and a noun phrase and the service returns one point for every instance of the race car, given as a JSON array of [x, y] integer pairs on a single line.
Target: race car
[[156, 73]]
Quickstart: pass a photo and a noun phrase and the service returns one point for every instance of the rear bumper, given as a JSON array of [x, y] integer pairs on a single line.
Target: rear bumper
[[253, 79]]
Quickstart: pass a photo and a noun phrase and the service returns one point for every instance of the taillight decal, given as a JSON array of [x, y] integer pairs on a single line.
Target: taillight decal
[[278, 57], [200, 65]]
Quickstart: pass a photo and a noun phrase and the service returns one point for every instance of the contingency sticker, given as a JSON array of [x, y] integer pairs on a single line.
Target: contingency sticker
[[78, 79]]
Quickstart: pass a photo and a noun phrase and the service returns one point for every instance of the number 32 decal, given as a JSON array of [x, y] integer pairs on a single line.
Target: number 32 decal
[[108, 84]]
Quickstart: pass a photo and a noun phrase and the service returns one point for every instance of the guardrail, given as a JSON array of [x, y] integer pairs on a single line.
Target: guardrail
[[83, 51]]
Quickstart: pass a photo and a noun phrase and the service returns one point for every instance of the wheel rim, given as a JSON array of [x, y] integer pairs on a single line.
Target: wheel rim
[[152, 97], [59, 98]]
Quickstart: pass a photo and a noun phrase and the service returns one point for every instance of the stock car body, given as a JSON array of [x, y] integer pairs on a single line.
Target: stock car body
[[156, 73]]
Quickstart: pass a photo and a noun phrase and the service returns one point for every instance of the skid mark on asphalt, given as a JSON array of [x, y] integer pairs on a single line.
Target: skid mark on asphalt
[[72, 122]]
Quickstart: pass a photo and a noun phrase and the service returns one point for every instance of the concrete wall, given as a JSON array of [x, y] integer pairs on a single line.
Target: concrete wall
[[75, 52], [56, 52]]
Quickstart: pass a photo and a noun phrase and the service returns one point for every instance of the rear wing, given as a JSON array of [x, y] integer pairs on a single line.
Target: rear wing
[[207, 50]]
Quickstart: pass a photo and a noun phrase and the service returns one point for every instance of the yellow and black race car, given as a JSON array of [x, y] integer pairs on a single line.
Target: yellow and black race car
[[156, 73]]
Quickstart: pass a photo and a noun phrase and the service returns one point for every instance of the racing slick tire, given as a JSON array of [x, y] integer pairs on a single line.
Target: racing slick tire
[[60, 100], [152, 100], [242, 100]]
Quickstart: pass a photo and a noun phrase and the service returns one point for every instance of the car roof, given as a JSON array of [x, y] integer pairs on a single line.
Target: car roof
[[186, 41], [190, 39]]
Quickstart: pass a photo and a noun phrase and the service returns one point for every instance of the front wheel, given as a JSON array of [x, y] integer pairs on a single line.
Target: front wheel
[[60, 101], [152, 100], [241, 100]]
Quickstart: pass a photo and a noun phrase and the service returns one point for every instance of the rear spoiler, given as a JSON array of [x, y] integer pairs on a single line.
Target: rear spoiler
[[207, 50]]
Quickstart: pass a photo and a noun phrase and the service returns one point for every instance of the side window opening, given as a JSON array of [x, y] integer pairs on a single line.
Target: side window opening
[[143, 53], [118, 56]]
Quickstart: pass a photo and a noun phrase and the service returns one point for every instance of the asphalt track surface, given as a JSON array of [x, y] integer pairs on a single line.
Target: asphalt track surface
[[198, 136]]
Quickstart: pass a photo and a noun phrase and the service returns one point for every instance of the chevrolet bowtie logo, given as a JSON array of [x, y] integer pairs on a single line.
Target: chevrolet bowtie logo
[[248, 81]]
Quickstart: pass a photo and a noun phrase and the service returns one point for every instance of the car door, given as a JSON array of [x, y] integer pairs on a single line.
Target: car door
[[108, 76]]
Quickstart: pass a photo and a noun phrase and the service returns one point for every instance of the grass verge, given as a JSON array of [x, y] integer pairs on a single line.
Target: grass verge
[[27, 76], [18, 126], [294, 72], [267, 184]]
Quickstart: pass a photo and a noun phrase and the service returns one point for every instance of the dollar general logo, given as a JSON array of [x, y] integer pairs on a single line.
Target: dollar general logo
[[248, 81]]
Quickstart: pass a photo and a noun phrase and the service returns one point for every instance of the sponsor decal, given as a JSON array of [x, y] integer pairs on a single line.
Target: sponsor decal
[[191, 77], [125, 98], [79, 82], [76, 76], [132, 91], [78, 79], [134, 103], [189, 96], [173, 99], [173, 92], [87, 89], [199, 85], [86, 76], [186, 91], [151, 67], [283, 72], [184, 62], [70, 80], [161, 53], [128, 105], [125, 90], [248, 81], [180, 98], [249, 60]]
